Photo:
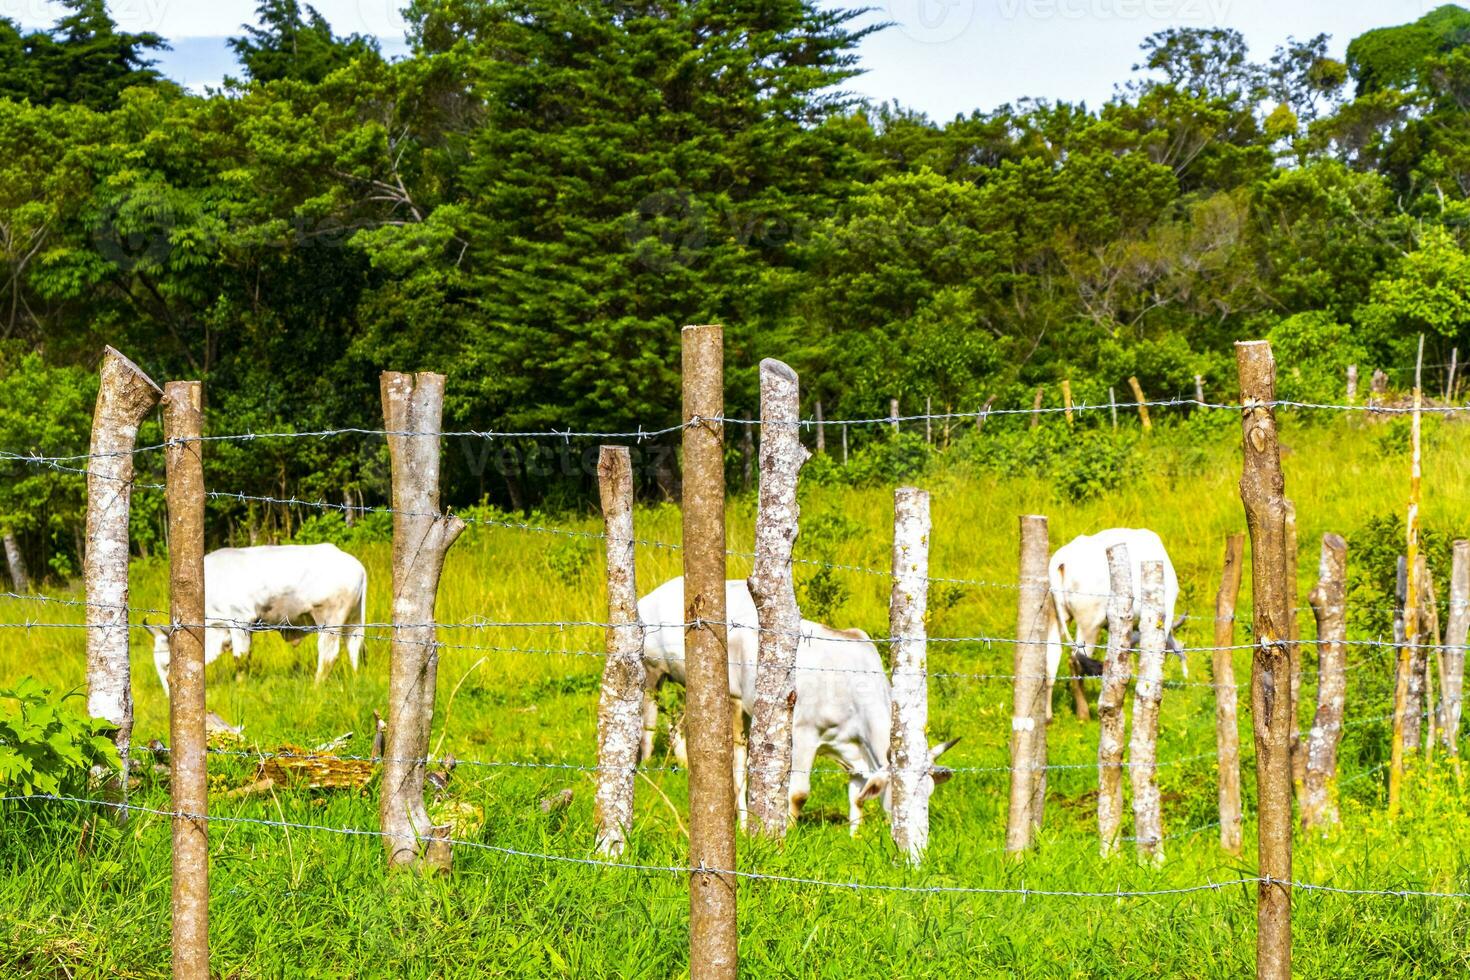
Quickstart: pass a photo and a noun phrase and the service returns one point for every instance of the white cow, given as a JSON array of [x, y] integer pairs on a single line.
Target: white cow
[[1080, 586], [843, 707], [293, 589]]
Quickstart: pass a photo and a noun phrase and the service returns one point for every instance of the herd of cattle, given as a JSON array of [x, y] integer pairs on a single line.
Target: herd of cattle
[[843, 704]]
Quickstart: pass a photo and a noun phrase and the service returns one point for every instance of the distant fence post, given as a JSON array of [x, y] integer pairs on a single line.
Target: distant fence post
[[15, 562], [928, 421], [188, 780], [1428, 652], [777, 525], [984, 413], [1067, 400], [1110, 702], [747, 458], [1329, 606], [413, 407], [910, 782], [713, 939], [1263, 492], [1294, 637], [844, 445], [620, 703], [124, 397], [1449, 381], [1036, 406], [1030, 692], [1352, 384], [1113, 407], [1403, 715], [1142, 403], [893, 413], [1143, 748], [1227, 732], [821, 429], [1199, 389], [1456, 629]]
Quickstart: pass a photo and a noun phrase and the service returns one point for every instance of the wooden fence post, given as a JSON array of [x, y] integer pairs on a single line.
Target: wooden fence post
[[713, 939], [620, 704], [1401, 718], [893, 413], [1449, 381], [747, 457], [777, 525], [188, 781], [413, 407], [1329, 606], [1352, 384], [124, 397], [1030, 692], [1456, 629], [1428, 653], [928, 421], [1199, 389], [821, 429], [844, 445], [1110, 724], [1067, 400], [1113, 407], [1227, 732], [1148, 691], [15, 562], [910, 781], [1294, 636], [1036, 406], [1142, 403], [984, 412], [1263, 492]]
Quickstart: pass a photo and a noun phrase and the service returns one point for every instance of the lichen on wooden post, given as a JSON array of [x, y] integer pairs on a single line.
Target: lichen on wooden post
[[188, 780], [413, 407], [1030, 692], [1329, 607], [910, 780], [1227, 732], [1263, 492], [1456, 629], [124, 398], [1148, 691], [1110, 729], [620, 703], [774, 592]]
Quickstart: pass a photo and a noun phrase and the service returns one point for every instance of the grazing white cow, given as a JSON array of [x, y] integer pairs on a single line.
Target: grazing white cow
[[293, 589], [843, 706], [1080, 586]]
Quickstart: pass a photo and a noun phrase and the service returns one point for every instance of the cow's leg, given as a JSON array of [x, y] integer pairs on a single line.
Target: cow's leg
[[239, 640], [804, 744], [857, 766], [1053, 654], [1086, 643], [328, 642], [650, 714], [355, 633], [738, 740]]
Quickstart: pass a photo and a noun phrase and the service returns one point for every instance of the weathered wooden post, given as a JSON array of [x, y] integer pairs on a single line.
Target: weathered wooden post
[[928, 421], [15, 562], [1428, 652], [774, 591], [1294, 636], [1449, 381], [1036, 406], [844, 445], [1067, 400], [1329, 607], [1142, 403], [1030, 693], [1110, 701], [713, 939], [413, 407], [1456, 629], [188, 782], [620, 704], [1113, 407], [984, 413], [747, 458], [1227, 732], [1352, 384], [1199, 389], [821, 429], [1148, 824], [893, 414], [1401, 720], [909, 780], [124, 397], [1263, 492], [1414, 684]]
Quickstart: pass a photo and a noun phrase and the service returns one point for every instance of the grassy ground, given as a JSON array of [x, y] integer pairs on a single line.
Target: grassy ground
[[289, 903]]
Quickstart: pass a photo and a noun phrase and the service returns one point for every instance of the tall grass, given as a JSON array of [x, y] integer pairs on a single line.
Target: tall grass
[[310, 903]]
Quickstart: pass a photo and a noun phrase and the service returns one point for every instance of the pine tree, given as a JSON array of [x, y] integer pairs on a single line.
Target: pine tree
[[294, 41]]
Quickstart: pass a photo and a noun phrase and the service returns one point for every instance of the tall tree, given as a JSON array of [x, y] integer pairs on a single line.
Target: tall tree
[[294, 41], [90, 62]]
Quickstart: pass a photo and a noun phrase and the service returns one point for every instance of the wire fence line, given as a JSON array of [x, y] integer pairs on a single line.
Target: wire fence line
[[866, 886]]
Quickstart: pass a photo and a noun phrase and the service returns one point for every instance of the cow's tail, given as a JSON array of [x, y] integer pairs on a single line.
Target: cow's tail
[[1058, 609]]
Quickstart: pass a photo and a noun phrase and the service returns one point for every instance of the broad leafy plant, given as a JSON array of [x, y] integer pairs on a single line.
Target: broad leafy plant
[[48, 743]]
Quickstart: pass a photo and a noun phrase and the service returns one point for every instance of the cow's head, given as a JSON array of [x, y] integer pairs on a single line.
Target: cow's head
[[877, 784], [160, 636], [1171, 645]]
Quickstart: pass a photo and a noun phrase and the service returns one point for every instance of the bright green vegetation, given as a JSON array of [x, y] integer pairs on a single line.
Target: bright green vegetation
[[309, 903]]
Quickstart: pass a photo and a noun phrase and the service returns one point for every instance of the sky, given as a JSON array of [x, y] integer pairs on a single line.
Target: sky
[[943, 57]]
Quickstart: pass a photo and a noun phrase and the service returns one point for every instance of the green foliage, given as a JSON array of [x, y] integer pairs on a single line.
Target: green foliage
[[295, 42], [570, 559], [47, 743], [1391, 57], [331, 527], [1373, 553]]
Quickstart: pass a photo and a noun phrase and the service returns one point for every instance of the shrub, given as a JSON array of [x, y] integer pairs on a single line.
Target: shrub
[[48, 744]]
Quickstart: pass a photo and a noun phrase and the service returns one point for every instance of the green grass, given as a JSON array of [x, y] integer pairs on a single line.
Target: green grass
[[302, 903]]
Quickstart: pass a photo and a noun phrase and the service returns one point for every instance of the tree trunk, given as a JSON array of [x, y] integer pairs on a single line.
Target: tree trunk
[[1227, 731], [1263, 492], [188, 780], [124, 397], [713, 936], [1329, 606], [1110, 701], [1030, 693], [1148, 691], [16, 563], [422, 536], [774, 591], [1454, 652], [910, 781], [620, 705]]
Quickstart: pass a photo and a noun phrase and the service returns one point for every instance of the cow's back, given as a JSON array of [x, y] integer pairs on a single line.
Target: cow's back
[[278, 582], [662, 614]]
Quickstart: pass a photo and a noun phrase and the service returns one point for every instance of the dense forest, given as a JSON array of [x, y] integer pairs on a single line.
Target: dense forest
[[537, 196]]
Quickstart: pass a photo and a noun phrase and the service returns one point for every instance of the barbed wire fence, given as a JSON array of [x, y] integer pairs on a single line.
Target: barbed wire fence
[[421, 839]]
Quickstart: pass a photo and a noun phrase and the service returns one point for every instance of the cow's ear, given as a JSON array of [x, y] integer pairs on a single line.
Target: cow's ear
[[873, 787], [941, 774], [941, 748], [154, 631], [1177, 623]]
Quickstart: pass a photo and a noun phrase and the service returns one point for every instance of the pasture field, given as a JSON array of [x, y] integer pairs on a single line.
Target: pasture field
[[302, 902]]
